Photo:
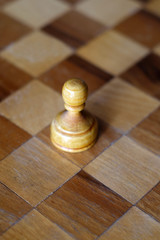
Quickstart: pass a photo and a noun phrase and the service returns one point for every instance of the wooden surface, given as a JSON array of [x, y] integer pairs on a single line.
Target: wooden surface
[[112, 190]]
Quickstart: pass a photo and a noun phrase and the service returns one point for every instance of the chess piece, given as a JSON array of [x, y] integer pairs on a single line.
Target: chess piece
[[74, 130]]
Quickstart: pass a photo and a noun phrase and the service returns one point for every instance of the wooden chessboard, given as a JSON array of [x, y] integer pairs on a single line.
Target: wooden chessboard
[[112, 191]]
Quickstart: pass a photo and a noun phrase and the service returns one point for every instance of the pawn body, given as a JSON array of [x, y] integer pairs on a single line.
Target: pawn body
[[74, 130]]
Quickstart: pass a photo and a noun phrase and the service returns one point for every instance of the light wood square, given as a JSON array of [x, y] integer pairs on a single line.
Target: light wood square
[[34, 226], [121, 104], [134, 225], [36, 13], [36, 53], [34, 171], [113, 52], [108, 12], [32, 107], [127, 169], [154, 7]]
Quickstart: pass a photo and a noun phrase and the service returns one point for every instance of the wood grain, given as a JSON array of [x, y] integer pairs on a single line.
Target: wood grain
[[75, 67], [126, 168], [35, 226], [32, 107], [35, 13], [147, 132], [145, 75], [11, 137], [11, 78], [151, 202], [12, 208], [147, 32], [81, 198], [121, 105], [34, 171], [112, 52], [70, 28], [134, 225], [11, 30], [107, 135], [36, 53], [108, 12]]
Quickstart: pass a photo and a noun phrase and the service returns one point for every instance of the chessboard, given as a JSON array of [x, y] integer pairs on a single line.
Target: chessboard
[[112, 190]]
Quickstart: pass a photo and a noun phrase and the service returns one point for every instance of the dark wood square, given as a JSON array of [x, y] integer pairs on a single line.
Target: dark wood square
[[75, 67], [84, 207], [11, 78], [145, 75], [11, 30], [11, 137], [73, 1], [107, 135], [12, 207], [74, 28], [142, 27], [147, 132], [151, 202]]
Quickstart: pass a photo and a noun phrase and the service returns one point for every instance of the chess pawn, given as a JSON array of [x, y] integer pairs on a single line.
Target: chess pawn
[[74, 130]]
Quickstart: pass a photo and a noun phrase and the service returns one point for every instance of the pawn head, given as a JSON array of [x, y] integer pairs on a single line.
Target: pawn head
[[75, 92]]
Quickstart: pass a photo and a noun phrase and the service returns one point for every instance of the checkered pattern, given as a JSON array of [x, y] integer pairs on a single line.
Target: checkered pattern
[[111, 191]]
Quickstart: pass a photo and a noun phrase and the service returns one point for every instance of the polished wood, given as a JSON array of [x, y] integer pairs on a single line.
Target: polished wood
[[70, 28], [12, 209], [106, 136], [147, 32], [74, 130], [145, 75], [84, 207], [11, 78], [150, 202], [75, 67], [126, 168], [35, 226], [134, 225], [147, 132], [17, 171], [11, 137]]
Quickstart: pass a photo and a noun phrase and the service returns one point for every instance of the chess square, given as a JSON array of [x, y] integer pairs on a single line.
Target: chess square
[[151, 201], [35, 226], [75, 67], [107, 135], [11, 30], [109, 12], [70, 28], [147, 33], [36, 53], [154, 7], [145, 75], [11, 78], [134, 225], [12, 208], [32, 107], [36, 13], [11, 137], [113, 52], [147, 132], [34, 171], [126, 168], [121, 105], [83, 197]]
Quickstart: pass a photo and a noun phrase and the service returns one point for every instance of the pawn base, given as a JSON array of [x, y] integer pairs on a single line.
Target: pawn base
[[74, 133]]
